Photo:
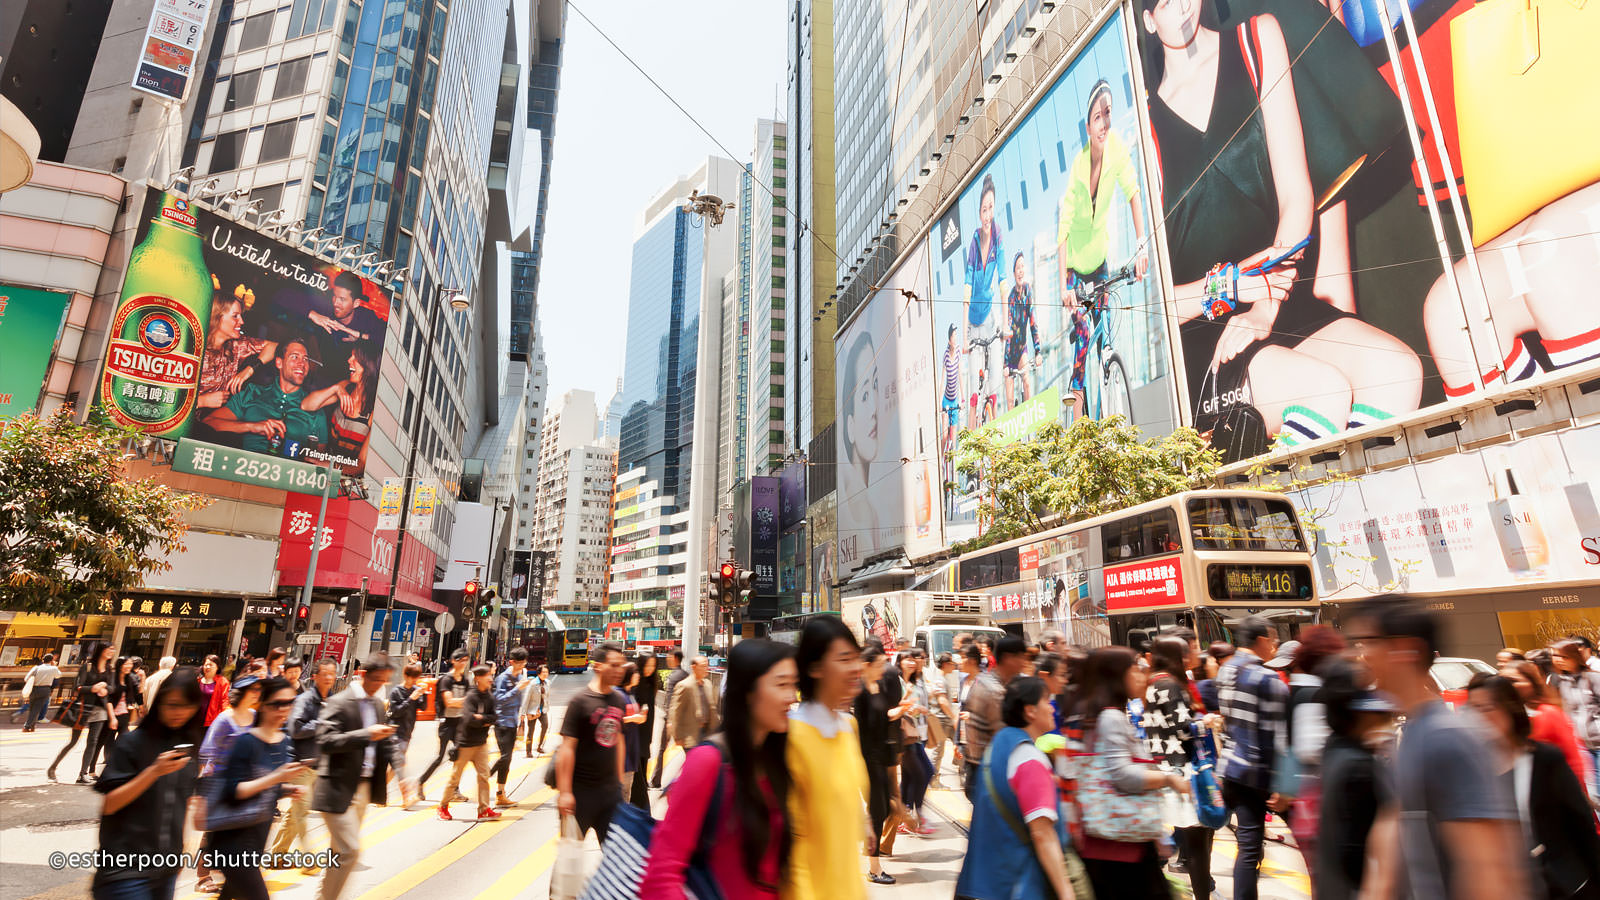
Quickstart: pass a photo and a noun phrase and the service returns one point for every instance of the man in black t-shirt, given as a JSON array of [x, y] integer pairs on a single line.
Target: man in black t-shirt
[[589, 762], [472, 739], [451, 693]]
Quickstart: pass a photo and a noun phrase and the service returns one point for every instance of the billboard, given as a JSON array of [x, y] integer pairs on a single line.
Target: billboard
[[1310, 293], [226, 337], [886, 437], [171, 42], [1525, 513], [1046, 305], [30, 322]]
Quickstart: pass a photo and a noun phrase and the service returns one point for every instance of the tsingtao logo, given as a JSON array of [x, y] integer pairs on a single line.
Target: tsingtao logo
[[158, 332]]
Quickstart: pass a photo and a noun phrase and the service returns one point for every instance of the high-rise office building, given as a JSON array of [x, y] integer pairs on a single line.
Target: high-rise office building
[[671, 368], [812, 312], [763, 302], [577, 473]]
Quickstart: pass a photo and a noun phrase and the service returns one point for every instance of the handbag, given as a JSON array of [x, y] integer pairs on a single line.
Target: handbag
[[1532, 56], [1077, 875], [626, 853], [566, 876], [72, 713], [1237, 429], [1110, 814], [217, 813]]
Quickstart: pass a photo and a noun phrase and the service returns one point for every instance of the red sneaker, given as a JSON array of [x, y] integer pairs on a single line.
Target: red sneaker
[[926, 830], [444, 813], [486, 814]]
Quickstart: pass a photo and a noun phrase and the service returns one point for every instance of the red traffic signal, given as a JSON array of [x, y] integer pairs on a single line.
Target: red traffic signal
[[728, 571], [471, 590]]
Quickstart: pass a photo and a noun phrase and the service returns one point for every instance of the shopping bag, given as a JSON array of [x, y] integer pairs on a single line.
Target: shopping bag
[[566, 876], [1534, 57]]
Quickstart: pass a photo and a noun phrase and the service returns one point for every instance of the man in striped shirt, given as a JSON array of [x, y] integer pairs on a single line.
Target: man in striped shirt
[[1254, 704]]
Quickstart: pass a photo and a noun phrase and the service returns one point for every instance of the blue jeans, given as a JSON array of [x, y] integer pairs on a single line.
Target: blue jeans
[[38, 701], [1249, 808], [159, 885]]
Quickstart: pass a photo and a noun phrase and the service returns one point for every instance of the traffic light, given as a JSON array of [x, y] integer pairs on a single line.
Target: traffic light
[[350, 608], [485, 604], [722, 584], [469, 601], [302, 618], [746, 583]]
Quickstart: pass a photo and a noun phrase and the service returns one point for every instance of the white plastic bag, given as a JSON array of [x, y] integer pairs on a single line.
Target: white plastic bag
[[566, 876]]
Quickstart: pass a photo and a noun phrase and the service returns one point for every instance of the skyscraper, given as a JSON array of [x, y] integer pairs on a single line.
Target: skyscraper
[[573, 506], [763, 301], [676, 291]]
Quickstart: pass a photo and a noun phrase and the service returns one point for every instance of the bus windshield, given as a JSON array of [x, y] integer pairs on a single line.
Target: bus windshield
[[1244, 523]]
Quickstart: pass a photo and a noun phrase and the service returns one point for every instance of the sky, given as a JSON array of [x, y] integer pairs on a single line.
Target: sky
[[619, 142]]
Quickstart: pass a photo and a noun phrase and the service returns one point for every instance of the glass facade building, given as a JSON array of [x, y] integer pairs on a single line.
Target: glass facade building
[[658, 378]]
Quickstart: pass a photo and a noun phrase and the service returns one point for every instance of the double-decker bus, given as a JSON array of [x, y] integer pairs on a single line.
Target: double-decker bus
[[574, 650], [537, 642], [1197, 559]]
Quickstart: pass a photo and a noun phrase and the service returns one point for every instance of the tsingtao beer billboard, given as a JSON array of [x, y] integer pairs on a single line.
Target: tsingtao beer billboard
[[228, 338]]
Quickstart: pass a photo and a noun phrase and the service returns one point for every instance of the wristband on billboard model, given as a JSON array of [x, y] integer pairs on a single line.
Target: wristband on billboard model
[[1222, 290]]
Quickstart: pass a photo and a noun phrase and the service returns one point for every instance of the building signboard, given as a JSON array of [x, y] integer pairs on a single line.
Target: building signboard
[[30, 323]]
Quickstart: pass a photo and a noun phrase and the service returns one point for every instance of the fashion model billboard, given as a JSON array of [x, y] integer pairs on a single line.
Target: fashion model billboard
[[1310, 292], [886, 435], [1046, 307], [227, 337]]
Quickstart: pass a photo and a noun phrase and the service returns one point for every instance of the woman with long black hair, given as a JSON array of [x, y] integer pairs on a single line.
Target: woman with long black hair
[[1169, 723], [916, 770], [645, 693], [89, 710], [147, 784], [260, 759], [120, 701], [744, 766], [877, 718]]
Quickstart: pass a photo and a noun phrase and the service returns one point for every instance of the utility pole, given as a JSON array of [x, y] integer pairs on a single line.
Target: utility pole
[[316, 539], [457, 301]]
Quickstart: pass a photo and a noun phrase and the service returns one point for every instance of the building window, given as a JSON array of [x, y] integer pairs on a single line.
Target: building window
[[277, 142], [226, 150], [292, 78], [257, 29], [271, 197], [242, 89]]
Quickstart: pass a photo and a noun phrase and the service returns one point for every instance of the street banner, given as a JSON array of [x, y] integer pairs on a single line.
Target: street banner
[[30, 323], [424, 500], [391, 499]]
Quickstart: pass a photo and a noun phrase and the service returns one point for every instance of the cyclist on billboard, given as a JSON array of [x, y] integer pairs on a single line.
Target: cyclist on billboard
[[1019, 326], [985, 282], [1083, 227]]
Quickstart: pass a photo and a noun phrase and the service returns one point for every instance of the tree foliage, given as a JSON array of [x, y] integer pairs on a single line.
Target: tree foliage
[[1060, 474], [73, 527]]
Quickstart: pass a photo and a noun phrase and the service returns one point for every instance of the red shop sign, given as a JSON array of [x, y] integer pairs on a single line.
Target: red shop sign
[[351, 548], [1155, 582]]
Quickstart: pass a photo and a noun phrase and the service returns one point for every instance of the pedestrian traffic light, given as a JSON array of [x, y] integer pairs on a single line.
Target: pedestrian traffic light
[[746, 584], [350, 608], [485, 605], [302, 618]]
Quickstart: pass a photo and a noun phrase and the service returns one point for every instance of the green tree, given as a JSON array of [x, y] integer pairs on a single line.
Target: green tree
[[1061, 474], [73, 527]]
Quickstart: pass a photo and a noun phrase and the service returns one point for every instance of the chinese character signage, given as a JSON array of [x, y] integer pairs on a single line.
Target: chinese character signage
[[195, 458], [220, 608], [350, 548], [171, 42], [228, 338], [30, 322], [1156, 582], [1523, 513]]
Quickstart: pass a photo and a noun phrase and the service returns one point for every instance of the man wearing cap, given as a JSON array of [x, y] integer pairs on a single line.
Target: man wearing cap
[[1254, 703]]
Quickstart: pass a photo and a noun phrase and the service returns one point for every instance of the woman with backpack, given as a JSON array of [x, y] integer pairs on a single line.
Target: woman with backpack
[[1016, 846], [1579, 687], [742, 768]]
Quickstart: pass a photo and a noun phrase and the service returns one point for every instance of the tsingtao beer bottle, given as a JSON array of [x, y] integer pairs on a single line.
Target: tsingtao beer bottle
[[152, 375]]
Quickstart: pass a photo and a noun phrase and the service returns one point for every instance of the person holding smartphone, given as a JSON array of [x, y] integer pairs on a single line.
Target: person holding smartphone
[[261, 759], [146, 786]]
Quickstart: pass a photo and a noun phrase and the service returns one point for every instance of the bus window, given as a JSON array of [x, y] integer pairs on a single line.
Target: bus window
[[999, 567], [1244, 523], [1136, 537]]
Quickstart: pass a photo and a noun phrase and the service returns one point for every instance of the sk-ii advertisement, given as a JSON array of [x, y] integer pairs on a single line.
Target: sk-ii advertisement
[[1524, 513], [223, 336], [1046, 304], [886, 433], [1310, 292]]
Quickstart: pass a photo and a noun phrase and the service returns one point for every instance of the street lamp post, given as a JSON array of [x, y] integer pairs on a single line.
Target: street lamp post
[[457, 301]]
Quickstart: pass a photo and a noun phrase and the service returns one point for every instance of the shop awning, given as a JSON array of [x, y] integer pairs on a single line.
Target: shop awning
[[35, 625], [892, 567]]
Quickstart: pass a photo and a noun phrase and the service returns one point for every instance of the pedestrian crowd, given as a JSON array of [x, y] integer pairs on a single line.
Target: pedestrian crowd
[[1103, 772]]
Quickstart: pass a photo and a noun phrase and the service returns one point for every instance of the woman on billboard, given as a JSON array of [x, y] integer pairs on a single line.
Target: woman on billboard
[[352, 400], [1270, 354], [230, 358], [985, 285], [863, 434]]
